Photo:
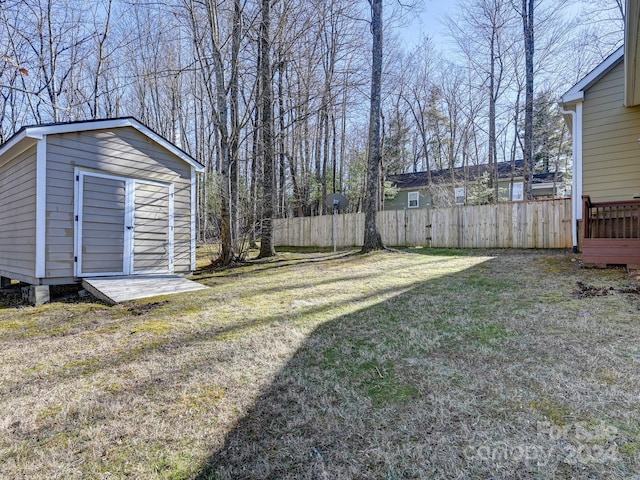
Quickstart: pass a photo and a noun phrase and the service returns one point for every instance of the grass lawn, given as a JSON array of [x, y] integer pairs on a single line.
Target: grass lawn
[[416, 364]]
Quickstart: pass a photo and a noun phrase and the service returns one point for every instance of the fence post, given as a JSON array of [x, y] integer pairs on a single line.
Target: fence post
[[541, 224]]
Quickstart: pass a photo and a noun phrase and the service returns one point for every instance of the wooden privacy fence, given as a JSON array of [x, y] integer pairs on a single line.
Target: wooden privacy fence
[[537, 224]]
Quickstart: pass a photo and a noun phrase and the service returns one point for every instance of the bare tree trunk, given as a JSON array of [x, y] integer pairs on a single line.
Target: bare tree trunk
[[100, 61], [334, 152], [266, 106], [372, 238], [343, 135], [325, 151], [234, 141], [282, 165], [516, 122], [224, 111], [226, 239], [527, 22], [493, 154], [255, 168], [318, 206]]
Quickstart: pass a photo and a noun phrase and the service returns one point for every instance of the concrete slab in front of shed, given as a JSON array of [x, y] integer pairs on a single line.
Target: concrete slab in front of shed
[[122, 289]]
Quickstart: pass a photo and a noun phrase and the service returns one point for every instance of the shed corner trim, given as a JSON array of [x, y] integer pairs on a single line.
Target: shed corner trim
[[41, 207]]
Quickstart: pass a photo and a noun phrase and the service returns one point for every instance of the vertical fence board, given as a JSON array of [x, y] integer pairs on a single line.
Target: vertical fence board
[[541, 224]]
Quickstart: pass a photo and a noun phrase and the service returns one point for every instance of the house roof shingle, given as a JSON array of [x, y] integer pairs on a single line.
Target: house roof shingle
[[474, 172]]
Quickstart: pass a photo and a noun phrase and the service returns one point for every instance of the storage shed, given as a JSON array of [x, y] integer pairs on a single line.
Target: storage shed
[[93, 199]]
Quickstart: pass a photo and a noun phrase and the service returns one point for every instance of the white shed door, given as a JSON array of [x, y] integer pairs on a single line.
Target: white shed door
[[123, 226], [153, 229], [101, 220]]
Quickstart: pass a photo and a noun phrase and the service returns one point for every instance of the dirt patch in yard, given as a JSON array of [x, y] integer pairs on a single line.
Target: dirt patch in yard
[[417, 364], [584, 290]]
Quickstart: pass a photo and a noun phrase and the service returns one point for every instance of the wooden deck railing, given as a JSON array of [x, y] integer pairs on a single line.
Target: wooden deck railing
[[611, 219]]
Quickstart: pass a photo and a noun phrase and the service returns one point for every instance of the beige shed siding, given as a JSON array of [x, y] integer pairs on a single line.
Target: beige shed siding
[[124, 152], [611, 154], [151, 235], [18, 217]]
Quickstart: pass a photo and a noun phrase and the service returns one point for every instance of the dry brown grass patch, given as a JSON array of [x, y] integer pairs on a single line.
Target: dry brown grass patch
[[389, 365]]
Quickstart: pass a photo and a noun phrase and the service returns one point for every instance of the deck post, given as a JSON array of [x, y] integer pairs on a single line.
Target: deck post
[[586, 223]]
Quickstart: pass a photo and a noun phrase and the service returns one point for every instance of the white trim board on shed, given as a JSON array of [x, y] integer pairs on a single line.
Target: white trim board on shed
[[39, 131], [42, 204]]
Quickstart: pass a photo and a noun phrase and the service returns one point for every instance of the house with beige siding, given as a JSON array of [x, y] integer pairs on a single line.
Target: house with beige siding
[[95, 199], [603, 113]]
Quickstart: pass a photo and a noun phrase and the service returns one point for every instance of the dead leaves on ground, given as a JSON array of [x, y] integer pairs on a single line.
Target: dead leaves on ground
[[584, 290]]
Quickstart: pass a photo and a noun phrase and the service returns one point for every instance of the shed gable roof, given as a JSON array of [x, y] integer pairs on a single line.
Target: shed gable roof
[[38, 131]]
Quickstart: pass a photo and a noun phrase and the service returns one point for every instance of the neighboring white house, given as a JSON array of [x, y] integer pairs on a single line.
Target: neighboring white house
[[95, 198]]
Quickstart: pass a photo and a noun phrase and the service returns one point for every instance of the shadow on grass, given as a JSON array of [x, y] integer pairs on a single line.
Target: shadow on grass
[[273, 263], [406, 388], [100, 365], [123, 354], [440, 252]]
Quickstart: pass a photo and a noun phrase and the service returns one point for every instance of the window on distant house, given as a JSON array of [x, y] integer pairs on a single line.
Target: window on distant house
[[517, 192], [414, 199]]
